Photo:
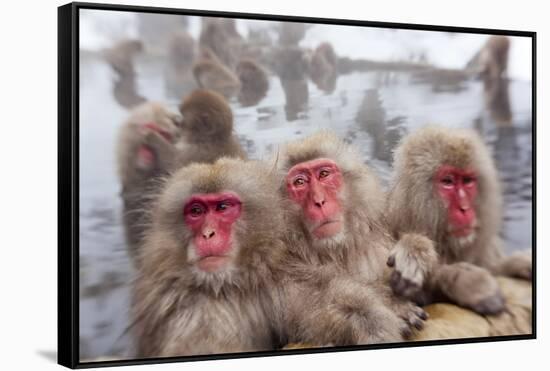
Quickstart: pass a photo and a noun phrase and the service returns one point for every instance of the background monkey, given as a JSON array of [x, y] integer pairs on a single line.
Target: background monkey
[[207, 129], [446, 199], [204, 283], [144, 153], [154, 142], [334, 267]]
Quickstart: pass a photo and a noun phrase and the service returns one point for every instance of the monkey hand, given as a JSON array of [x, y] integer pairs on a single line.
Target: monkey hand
[[472, 287], [412, 316], [164, 149], [413, 259], [517, 265]]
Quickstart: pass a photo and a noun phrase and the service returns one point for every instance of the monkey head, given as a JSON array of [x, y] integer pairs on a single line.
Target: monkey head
[[329, 188], [135, 151], [446, 185], [211, 221], [206, 116], [316, 185]]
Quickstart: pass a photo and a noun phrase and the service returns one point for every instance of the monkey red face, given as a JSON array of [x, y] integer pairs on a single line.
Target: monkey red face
[[210, 217], [458, 189], [315, 186]]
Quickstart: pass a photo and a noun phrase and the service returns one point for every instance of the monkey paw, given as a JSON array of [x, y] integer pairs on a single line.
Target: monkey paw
[[491, 305], [472, 287], [413, 317], [518, 265], [412, 258]]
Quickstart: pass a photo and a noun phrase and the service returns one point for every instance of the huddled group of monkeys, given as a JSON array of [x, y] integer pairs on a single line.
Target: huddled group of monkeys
[[236, 255]]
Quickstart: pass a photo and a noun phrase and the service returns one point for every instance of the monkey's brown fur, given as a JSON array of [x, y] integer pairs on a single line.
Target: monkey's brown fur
[[180, 310], [491, 62], [204, 134], [323, 68], [207, 127], [138, 183], [210, 74], [221, 36], [336, 289], [254, 82], [462, 271]]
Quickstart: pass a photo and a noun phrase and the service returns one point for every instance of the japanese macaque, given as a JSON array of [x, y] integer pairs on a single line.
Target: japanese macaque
[[254, 82], [156, 30], [154, 142], [144, 154], [181, 52], [492, 60], [292, 67], [181, 57], [211, 74], [291, 33], [335, 282], [323, 68], [207, 129], [445, 208], [221, 36], [204, 283], [121, 58]]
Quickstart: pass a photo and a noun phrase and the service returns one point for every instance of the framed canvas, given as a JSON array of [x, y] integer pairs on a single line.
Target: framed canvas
[[242, 185]]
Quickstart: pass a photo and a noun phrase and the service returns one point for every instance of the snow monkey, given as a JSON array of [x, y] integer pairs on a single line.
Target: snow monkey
[[204, 283], [207, 126], [144, 153], [155, 142], [336, 255], [445, 202]]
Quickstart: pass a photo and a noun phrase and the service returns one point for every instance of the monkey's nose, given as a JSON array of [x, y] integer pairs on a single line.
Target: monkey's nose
[[209, 233], [319, 203]]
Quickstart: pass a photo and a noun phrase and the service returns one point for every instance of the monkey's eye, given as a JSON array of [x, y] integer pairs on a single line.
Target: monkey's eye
[[447, 180], [196, 210], [222, 206], [468, 179], [298, 182], [324, 173]]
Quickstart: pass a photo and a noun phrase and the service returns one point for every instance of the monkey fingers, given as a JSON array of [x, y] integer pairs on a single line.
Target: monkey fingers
[[412, 315]]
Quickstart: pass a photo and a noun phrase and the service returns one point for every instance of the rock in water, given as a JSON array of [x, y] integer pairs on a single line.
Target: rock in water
[[448, 321]]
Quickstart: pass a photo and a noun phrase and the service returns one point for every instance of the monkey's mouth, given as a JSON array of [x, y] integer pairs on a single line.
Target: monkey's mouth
[[462, 231], [212, 263], [327, 228]]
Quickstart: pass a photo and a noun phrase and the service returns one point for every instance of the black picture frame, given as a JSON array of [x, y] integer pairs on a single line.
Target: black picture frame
[[68, 181]]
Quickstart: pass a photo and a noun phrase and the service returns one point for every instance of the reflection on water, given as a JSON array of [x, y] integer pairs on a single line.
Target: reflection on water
[[372, 110]]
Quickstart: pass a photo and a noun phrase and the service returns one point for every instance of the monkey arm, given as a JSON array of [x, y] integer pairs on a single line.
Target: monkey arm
[[469, 286], [349, 312], [165, 152], [413, 259], [518, 265]]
